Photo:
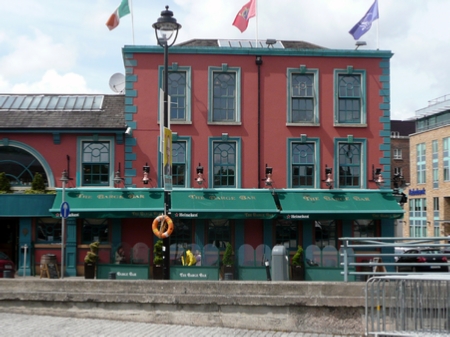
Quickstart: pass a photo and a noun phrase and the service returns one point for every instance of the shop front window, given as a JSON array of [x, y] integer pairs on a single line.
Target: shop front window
[[95, 230], [219, 233], [326, 233], [48, 230], [180, 240], [364, 229], [286, 234]]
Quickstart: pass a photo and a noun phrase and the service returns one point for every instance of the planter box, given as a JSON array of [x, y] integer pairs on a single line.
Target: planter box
[[158, 272], [194, 273], [123, 271], [228, 272], [89, 270], [297, 273]]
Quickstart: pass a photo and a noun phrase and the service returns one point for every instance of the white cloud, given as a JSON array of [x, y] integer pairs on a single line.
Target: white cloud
[[52, 82], [32, 55]]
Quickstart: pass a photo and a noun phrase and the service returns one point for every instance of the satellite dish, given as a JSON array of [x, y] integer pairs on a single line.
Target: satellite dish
[[117, 82]]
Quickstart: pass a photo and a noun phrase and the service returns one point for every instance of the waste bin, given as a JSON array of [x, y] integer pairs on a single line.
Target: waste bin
[[112, 275], [7, 274], [280, 271]]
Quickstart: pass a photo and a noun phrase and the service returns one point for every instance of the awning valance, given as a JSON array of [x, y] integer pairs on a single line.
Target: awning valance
[[111, 203], [338, 204], [223, 204]]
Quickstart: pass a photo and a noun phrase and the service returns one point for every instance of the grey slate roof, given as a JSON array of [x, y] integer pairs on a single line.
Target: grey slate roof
[[215, 43], [110, 116]]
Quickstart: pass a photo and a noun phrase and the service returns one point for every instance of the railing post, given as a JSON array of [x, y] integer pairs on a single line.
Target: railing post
[[345, 261]]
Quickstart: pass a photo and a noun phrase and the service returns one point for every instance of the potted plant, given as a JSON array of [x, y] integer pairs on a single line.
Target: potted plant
[[158, 260], [297, 265], [90, 261], [228, 262], [5, 185]]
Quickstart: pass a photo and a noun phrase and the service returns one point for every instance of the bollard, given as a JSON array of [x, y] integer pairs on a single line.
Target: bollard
[[268, 270]]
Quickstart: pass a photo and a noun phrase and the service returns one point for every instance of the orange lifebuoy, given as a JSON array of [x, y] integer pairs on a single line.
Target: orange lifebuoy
[[162, 226]]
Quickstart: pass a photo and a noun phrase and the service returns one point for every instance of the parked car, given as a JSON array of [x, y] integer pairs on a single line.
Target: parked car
[[6, 264], [426, 256]]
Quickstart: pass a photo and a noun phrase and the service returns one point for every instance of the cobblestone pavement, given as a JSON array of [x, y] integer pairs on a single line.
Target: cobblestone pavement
[[19, 325]]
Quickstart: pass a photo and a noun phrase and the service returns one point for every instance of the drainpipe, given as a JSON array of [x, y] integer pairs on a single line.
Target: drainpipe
[[259, 62]]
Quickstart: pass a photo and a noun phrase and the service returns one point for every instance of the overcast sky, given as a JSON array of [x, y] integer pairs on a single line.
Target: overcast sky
[[62, 46]]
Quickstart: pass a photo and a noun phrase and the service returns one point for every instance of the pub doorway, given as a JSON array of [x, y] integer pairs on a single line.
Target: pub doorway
[[9, 231]]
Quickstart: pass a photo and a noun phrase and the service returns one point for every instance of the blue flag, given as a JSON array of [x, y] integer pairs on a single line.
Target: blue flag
[[365, 23]]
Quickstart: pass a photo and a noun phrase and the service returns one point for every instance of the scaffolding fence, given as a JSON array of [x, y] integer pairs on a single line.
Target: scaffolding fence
[[408, 305]]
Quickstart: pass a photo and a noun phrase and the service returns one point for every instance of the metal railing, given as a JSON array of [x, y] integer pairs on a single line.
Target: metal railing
[[365, 257], [408, 305]]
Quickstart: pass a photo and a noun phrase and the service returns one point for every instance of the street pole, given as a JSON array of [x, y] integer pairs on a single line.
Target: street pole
[[64, 180], [166, 241], [165, 26]]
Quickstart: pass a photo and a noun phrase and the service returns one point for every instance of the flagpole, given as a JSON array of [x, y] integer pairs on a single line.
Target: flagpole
[[132, 19], [257, 16]]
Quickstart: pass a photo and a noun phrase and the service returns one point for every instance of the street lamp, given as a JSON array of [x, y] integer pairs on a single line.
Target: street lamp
[[64, 179], [165, 27]]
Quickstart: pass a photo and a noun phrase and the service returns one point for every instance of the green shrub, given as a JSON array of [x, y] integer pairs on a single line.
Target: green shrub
[[92, 254], [297, 259], [158, 253], [38, 183], [5, 185], [227, 259]]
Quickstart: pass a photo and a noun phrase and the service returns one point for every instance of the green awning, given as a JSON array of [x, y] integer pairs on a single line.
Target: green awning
[[223, 204], [338, 204], [25, 205], [111, 202]]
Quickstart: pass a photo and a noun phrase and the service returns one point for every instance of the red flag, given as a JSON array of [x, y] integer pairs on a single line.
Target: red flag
[[246, 12]]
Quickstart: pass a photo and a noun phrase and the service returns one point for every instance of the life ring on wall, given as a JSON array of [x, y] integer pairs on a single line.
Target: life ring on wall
[[162, 226]]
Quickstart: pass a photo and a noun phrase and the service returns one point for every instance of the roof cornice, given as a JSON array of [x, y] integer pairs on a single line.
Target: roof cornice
[[132, 49]]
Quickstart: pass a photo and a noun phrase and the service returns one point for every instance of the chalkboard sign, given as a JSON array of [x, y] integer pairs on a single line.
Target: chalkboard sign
[[52, 270]]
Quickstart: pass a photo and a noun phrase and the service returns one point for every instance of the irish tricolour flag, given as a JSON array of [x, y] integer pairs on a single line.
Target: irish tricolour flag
[[121, 11]]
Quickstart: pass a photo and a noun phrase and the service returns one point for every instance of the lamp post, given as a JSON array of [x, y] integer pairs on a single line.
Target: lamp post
[[165, 27], [64, 179]]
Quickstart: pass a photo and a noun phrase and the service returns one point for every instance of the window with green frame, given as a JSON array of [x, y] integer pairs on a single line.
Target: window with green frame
[[95, 230], [302, 98], [418, 217], [48, 230], [350, 99], [437, 224], [446, 158], [350, 96], [20, 166], [224, 95], [421, 164], [95, 163], [350, 158], [286, 234], [303, 164], [179, 164], [224, 164], [219, 233], [177, 86], [435, 156]]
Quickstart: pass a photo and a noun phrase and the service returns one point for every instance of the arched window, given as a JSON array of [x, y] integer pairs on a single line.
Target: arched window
[[20, 166]]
